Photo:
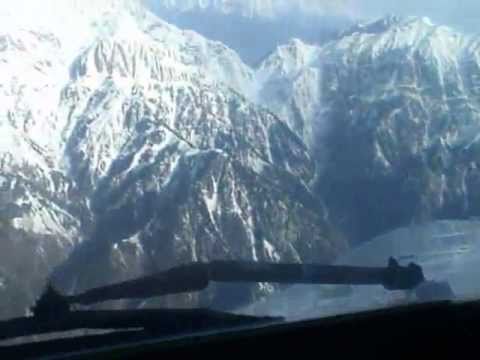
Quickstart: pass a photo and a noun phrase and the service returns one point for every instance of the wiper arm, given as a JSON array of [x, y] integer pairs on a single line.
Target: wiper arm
[[197, 277]]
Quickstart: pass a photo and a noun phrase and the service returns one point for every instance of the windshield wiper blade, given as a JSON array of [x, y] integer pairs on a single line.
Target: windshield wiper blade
[[158, 322], [53, 310]]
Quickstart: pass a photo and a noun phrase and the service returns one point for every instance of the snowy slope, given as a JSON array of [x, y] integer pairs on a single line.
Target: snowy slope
[[123, 75], [36, 87], [290, 83], [40, 223]]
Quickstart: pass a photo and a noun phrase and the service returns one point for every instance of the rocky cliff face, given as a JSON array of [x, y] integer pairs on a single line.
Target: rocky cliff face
[[133, 151], [198, 173], [401, 103]]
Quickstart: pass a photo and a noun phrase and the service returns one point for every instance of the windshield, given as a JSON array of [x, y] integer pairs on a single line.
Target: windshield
[[140, 136]]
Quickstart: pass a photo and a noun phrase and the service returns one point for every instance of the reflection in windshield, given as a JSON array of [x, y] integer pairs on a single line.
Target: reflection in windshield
[[293, 159], [447, 250]]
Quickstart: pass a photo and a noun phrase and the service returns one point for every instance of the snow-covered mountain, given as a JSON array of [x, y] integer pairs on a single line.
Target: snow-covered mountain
[[138, 145], [130, 144], [400, 100], [390, 110], [194, 169]]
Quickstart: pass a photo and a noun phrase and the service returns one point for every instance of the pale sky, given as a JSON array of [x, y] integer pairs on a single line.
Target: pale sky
[[461, 14]]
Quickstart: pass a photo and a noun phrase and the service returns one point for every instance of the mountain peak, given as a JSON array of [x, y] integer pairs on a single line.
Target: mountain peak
[[295, 53], [440, 44], [385, 24]]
